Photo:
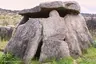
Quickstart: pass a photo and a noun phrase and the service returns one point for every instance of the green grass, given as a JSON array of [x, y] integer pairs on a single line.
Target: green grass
[[68, 60], [1, 53], [35, 62], [64, 61], [89, 58], [9, 59], [13, 60]]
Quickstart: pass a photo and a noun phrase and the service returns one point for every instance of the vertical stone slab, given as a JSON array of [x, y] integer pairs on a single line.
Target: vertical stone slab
[[78, 36], [54, 31]]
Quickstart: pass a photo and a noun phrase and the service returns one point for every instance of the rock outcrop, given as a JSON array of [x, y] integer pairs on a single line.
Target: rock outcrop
[[6, 32], [50, 30]]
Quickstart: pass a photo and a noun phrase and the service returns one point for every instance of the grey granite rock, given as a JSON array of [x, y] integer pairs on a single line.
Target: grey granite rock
[[55, 30], [43, 9], [78, 36], [25, 41]]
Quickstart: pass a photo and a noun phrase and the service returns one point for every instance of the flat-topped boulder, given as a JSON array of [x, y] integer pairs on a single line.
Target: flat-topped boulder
[[41, 11]]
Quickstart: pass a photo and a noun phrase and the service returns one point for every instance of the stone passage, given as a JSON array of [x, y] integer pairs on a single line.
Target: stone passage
[[50, 30]]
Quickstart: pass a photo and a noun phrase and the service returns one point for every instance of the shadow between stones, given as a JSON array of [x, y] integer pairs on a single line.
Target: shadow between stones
[[37, 55], [44, 13]]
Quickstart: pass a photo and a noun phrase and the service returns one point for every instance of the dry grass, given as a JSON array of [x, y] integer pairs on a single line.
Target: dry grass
[[3, 44]]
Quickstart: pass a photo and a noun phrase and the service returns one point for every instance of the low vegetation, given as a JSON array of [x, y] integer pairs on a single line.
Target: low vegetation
[[88, 58], [10, 59], [9, 19]]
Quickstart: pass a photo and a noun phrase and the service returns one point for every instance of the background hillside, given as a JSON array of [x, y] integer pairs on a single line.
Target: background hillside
[[8, 17]]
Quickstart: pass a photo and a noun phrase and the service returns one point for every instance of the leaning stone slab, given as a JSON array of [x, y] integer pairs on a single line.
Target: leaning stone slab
[[25, 41]]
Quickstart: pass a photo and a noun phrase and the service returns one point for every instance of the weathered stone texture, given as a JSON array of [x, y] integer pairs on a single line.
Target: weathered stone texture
[[25, 41], [54, 31], [44, 9], [62, 32], [78, 36]]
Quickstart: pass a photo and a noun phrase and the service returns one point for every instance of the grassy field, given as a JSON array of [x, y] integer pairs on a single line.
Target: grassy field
[[1, 54], [88, 58]]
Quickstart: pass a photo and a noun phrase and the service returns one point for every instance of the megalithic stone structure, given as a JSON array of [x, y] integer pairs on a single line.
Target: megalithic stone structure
[[50, 30]]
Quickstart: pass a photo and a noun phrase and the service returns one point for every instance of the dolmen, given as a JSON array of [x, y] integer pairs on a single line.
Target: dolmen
[[51, 30]]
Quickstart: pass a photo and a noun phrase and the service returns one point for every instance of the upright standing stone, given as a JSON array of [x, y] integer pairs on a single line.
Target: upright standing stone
[[54, 45], [78, 36]]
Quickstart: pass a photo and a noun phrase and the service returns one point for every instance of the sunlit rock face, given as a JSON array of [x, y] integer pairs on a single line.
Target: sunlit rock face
[[50, 30]]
